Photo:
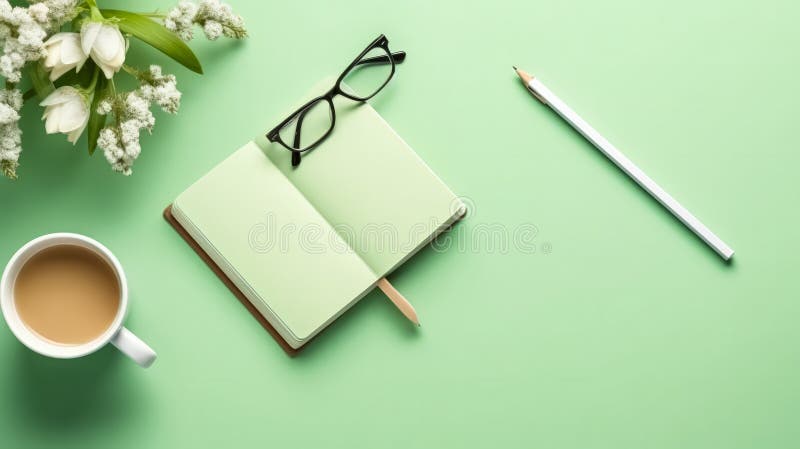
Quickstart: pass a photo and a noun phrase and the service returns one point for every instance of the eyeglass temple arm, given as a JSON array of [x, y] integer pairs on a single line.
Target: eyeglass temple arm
[[297, 134], [398, 57]]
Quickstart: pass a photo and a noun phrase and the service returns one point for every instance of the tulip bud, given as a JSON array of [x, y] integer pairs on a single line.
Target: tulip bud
[[66, 111], [105, 45], [64, 53]]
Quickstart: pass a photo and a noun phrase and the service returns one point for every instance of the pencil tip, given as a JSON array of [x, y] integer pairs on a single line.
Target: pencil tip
[[514, 67], [523, 75]]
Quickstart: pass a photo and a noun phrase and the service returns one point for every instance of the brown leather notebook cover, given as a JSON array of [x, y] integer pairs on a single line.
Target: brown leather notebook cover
[[238, 293]]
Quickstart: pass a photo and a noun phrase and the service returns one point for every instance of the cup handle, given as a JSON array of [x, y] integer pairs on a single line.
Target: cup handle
[[134, 347]]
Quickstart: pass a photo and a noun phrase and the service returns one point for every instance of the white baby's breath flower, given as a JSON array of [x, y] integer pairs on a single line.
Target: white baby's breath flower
[[22, 42], [131, 114], [59, 12], [39, 12], [212, 29], [104, 106], [160, 89], [222, 13], [180, 19], [120, 139], [8, 114], [121, 146], [168, 97], [109, 141], [216, 18], [5, 31], [129, 136], [137, 108], [10, 134], [31, 36], [12, 97]]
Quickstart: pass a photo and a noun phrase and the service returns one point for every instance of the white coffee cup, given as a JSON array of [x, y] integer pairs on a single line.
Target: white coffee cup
[[116, 334]]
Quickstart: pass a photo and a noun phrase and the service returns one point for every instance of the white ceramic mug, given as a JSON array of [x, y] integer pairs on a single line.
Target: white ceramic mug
[[116, 334]]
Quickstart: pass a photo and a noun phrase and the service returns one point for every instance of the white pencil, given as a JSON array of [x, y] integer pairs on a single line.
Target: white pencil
[[543, 94]]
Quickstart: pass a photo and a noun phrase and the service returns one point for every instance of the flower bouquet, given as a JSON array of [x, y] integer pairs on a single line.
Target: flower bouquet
[[70, 51]]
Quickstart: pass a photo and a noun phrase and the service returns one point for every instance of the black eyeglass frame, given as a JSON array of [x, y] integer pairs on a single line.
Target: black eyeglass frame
[[390, 58]]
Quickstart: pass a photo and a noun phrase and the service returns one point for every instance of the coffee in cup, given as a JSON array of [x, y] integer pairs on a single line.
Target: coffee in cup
[[65, 295]]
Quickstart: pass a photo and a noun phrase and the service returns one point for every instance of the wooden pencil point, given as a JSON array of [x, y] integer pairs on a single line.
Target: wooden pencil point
[[398, 300], [523, 75]]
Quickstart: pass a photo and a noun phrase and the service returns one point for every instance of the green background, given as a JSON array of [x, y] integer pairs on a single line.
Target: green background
[[621, 330]]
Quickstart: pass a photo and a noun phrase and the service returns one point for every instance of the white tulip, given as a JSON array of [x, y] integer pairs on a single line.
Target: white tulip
[[64, 53], [105, 44], [66, 111]]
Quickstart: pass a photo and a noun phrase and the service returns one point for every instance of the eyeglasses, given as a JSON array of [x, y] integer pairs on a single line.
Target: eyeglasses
[[313, 122]]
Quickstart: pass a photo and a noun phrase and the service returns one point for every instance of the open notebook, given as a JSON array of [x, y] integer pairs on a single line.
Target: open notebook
[[304, 244]]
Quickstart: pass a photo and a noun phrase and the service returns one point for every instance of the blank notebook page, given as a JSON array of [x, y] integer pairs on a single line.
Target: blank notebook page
[[248, 217]]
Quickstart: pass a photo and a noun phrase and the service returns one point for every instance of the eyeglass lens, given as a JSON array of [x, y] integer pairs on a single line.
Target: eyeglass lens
[[308, 126], [370, 75]]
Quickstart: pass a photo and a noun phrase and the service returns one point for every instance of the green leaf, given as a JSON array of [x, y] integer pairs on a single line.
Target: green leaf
[[156, 35], [97, 121], [40, 80]]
